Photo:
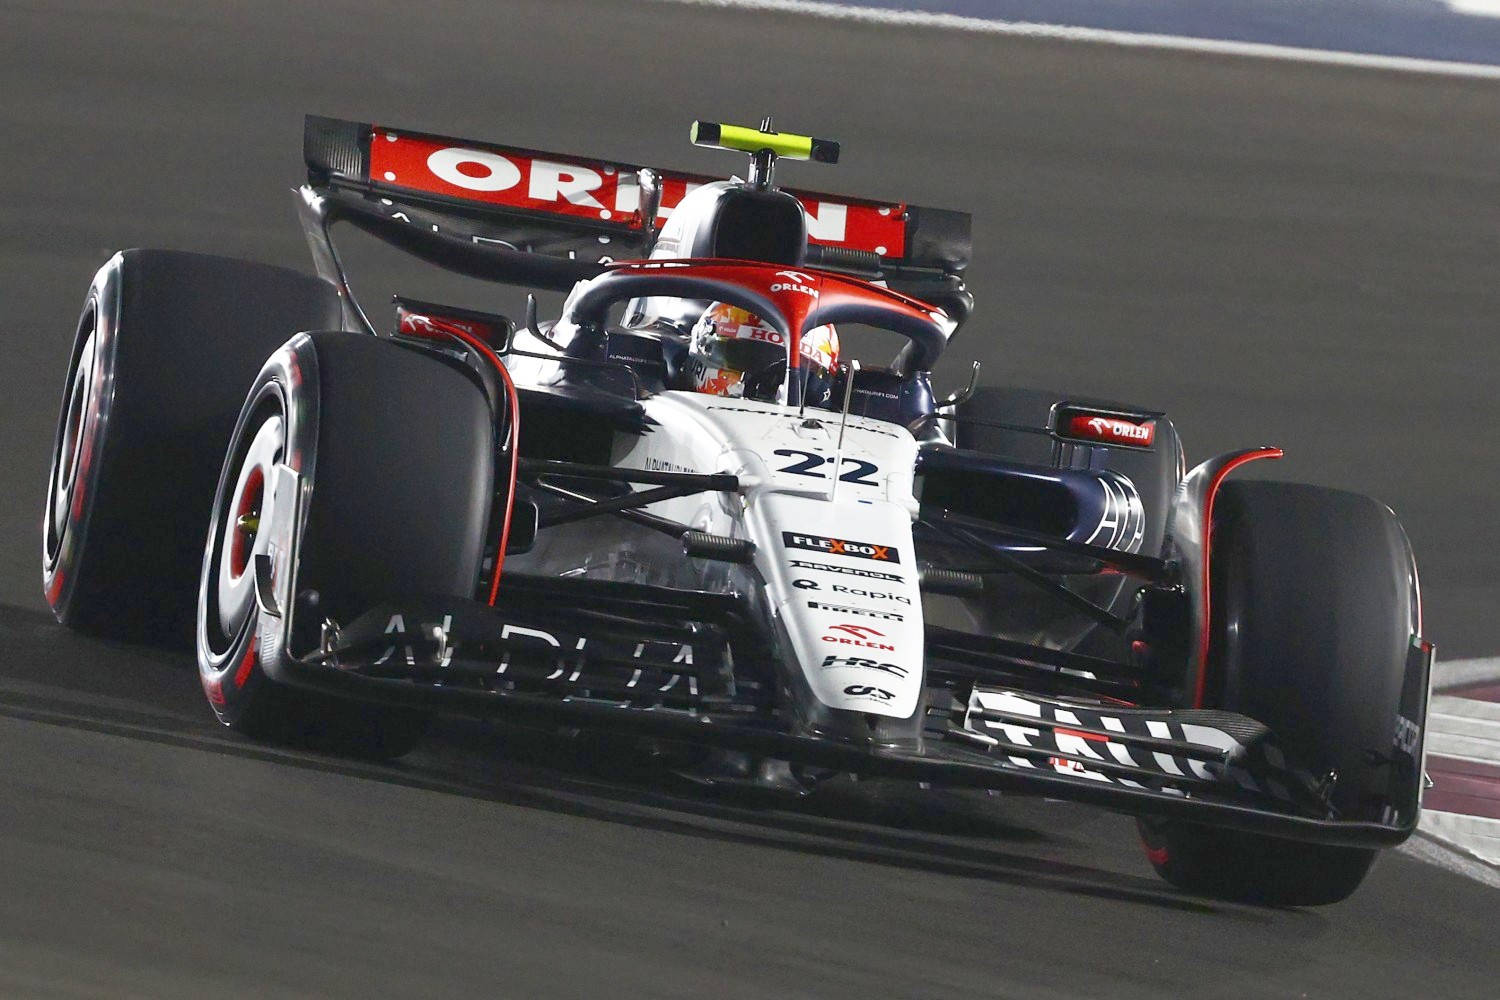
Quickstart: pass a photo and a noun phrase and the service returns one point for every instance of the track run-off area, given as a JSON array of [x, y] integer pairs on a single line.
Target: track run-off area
[[1273, 251]]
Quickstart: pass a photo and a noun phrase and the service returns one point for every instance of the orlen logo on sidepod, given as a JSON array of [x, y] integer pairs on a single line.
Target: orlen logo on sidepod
[[840, 547], [862, 636]]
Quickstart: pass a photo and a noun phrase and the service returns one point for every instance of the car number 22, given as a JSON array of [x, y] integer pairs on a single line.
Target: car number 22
[[810, 464]]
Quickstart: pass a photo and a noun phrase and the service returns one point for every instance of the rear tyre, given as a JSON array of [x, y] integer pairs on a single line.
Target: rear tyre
[[394, 447], [163, 352], [1313, 613]]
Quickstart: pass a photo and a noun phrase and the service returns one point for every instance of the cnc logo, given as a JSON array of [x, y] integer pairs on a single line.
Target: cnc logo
[[868, 691], [840, 547], [862, 636]]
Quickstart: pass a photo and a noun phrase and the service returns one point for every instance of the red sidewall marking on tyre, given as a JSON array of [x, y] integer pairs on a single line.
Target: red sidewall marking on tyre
[[246, 665]]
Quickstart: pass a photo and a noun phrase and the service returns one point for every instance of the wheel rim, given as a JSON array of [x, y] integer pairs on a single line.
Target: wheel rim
[[246, 510], [71, 457]]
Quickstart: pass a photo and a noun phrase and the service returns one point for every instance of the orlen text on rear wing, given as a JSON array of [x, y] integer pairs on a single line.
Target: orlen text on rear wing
[[546, 220]]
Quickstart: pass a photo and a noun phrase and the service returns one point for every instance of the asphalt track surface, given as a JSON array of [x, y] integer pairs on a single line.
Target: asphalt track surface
[[1274, 252]]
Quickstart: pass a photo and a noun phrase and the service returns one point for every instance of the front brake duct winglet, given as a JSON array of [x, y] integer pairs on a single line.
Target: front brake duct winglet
[[1189, 543]]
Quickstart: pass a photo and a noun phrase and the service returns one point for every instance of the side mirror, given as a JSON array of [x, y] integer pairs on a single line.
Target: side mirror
[[962, 396]]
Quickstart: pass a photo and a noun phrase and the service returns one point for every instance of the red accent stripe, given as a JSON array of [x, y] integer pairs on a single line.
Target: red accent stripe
[[1208, 523], [513, 445], [246, 665], [1468, 787], [1091, 737], [54, 589], [1463, 802], [1439, 767]]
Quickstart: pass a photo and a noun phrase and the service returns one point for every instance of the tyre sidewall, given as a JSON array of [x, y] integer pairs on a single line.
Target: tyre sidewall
[[234, 673], [65, 561], [1314, 614]]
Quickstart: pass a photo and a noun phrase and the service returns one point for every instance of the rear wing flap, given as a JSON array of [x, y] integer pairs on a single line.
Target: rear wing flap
[[480, 208]]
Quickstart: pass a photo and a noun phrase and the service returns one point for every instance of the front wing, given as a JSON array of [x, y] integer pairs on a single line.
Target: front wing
[[692, 667]]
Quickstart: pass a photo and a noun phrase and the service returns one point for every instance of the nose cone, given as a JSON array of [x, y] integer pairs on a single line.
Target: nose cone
[[850, 607]]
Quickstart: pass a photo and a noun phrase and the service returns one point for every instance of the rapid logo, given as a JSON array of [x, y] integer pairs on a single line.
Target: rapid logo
[[873, 595], [862, 636], [840, 547]]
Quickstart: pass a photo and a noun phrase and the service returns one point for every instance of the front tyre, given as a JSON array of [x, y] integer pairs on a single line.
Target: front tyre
[[392, 447], [1314, 613], [1250, 868]]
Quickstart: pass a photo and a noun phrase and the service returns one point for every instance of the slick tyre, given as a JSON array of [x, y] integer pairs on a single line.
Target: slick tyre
[[1315, 607], [1248, 868], [393, 449], [163, 352]]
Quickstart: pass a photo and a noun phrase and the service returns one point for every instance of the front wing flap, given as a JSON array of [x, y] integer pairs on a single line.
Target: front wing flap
[[680, 666]]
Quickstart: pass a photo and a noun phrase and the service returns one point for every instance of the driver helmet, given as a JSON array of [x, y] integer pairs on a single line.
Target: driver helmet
[[733, 352]]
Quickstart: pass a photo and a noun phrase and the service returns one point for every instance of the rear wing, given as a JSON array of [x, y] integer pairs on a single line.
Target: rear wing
[[528, 217]]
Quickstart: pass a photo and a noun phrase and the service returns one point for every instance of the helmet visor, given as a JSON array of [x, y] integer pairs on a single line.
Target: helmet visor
[[745, 355]]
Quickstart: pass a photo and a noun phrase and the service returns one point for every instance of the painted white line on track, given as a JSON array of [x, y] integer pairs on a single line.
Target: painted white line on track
[[1461, 673], [1103, 36], [1475, 835], [1478, 8], [1464, 728], [1449, 856]]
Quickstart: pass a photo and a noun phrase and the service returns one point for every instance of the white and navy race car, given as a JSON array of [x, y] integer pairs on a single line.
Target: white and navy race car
[[684, 509]]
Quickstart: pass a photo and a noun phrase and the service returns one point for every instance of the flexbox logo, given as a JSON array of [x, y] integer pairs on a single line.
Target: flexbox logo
[[840, 547]]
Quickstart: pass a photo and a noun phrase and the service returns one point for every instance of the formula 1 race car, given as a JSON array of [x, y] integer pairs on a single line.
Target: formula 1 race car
[[682, 511]]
